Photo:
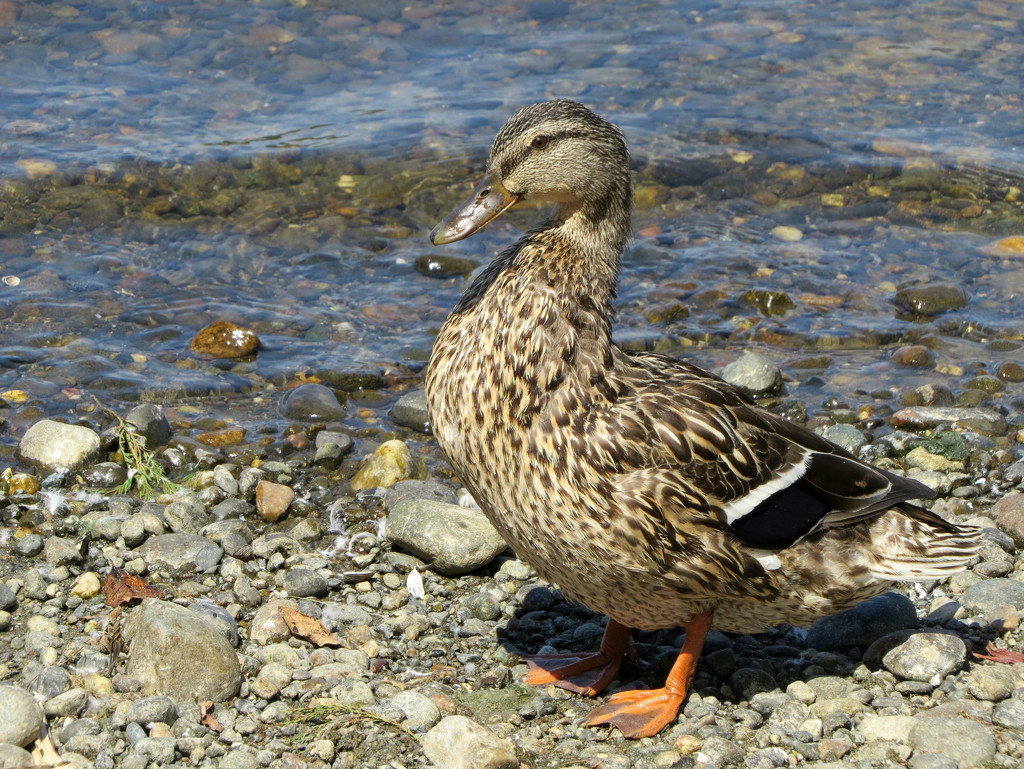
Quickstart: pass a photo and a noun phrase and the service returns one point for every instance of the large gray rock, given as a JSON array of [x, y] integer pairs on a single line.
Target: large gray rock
[[993, 593], [458, 742], [456, 540], [179, 653], [21, 718], [57, 447], [927, 657], [863, 624]]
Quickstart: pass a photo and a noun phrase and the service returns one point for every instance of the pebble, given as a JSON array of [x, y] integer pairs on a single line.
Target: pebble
[[21, 718], [273, 500], [151, 423], [458, 742], [927, 657], [755, 374], [390, 463], [455, 540], [87, 585], [305, 583], [180, 553], [992, 683], [411, 411], [312, 402], [58, 447], [931, 299], [178, 653], [863, 624], [224, 339]]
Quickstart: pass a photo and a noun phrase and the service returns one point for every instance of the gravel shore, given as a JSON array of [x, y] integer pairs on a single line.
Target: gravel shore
[[342, 605]]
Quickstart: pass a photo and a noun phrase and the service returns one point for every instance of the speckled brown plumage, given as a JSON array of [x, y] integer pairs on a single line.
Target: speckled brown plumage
[[644, 487]]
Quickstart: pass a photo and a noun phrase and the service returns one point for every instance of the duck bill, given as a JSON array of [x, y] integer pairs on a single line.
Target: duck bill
[[489, 200]]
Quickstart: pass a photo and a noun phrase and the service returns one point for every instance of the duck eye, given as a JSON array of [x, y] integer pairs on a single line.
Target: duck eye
[[539, 142]]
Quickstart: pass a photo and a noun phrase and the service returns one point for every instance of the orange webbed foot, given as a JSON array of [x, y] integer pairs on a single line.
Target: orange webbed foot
[[584, 673], [580, 673], [645, 712], [638, 713]]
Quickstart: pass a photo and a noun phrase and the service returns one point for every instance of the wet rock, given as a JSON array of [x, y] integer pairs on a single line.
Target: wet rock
[[273, 500], [180, 553], [57, 447], [177, 653], [441, 266], [991, 594], [223, 339], [863, 624], [311, 402], [21, 718], [966, 742], [926, 657], [105, 475], [913, 356], [456, 540], [151, 424], [847, 436], [390, 463], [458, 742], [919, 418], [769, 303], [755, 374], [29, 546], [429, 490], [411, 411], [931, 299]]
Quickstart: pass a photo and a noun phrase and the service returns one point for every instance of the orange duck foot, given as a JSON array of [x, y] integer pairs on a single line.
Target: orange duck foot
[[584, 673], [644, 713], [638, 713]]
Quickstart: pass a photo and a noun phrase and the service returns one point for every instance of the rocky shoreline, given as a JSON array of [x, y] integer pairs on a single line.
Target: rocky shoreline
[[341, 605]]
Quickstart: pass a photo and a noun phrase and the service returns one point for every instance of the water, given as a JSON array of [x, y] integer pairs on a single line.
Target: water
[[279, 164]]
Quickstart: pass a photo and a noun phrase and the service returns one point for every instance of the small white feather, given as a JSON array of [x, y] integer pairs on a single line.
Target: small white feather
[[414, 583]]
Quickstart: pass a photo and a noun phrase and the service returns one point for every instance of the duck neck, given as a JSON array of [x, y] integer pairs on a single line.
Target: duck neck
[[585, 270]]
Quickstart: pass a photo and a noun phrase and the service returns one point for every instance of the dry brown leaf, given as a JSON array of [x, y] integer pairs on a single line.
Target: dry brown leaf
[[120, 587], [208, 720], [308, 627]]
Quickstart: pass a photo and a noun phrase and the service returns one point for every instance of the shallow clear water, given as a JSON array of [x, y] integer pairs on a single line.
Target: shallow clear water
[[280, 164]]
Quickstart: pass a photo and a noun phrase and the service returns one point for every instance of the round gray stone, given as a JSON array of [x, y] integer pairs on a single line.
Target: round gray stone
[[57, 447], [754, 373], [411, 411], [457, 540], [151, 710], [926, 657], [304, 583], [21, 718], [312, 402]]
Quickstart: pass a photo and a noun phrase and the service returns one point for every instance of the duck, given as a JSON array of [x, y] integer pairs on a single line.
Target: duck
[[645, 488]]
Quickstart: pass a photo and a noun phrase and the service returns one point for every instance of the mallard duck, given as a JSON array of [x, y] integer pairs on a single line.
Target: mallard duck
[[647, 489]]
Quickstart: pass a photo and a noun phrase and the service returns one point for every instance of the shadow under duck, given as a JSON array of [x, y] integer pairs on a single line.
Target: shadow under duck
[[646, 488]]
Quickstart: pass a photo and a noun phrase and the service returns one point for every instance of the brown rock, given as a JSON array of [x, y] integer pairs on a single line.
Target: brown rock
[[916, 355], [229, 436], [272, 500], [223, 339], [1011, 246], [1009, 512], [1010, 371], [8, 13]]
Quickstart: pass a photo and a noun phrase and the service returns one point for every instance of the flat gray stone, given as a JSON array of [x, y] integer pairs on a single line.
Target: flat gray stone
[[180, 553], [177, 652], [966, 742], [411, 411], [57, 447], [993, 593], [456, 540], [927, 657]]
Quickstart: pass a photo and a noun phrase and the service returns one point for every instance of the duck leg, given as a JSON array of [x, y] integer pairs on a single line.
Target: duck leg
[[583, 672], [645, 712]]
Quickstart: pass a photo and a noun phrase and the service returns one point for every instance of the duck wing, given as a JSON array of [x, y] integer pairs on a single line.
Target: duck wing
[[769, 481]]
